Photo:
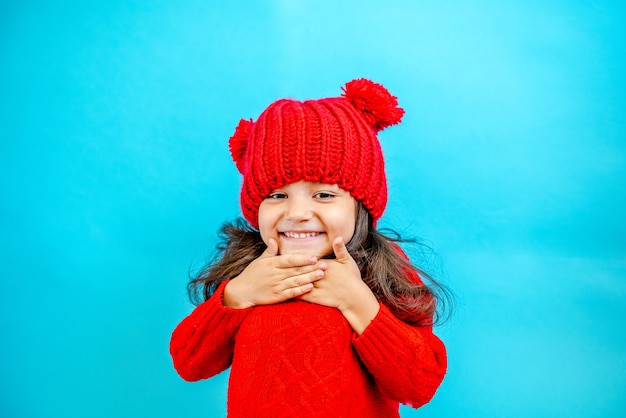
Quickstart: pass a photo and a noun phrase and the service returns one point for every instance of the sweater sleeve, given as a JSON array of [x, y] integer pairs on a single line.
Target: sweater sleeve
[[407, 362], [202, 345]]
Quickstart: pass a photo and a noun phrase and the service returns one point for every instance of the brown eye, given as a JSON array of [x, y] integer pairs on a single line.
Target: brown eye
[[276, 195]]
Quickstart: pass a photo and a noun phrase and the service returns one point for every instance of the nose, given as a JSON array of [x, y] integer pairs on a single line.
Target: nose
[[298, 210]]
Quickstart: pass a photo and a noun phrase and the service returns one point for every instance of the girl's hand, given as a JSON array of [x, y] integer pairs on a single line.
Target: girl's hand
[[341, 287], [272, 278]]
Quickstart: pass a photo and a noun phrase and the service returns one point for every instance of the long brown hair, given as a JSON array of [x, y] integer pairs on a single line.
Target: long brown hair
[[411, 293]]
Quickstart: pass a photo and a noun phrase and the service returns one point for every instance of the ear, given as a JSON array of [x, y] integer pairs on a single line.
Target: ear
[[378, 107], [239, 142]]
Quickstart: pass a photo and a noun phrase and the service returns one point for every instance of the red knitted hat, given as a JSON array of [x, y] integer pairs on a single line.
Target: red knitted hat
[[331, 140]]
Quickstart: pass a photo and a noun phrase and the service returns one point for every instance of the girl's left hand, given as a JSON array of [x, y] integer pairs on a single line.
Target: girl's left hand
[[342, 288]]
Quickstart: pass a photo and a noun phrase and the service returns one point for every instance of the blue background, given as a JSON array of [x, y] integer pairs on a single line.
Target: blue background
[[115, 176]]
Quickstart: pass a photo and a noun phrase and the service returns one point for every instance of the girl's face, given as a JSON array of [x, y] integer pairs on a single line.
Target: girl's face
[[305, 217]]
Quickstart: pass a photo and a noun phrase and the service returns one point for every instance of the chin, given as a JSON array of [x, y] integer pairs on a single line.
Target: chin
[[317, 252]]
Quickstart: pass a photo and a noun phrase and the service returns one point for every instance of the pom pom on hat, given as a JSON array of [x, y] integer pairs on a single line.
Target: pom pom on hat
[[239, 142], [378, 107]]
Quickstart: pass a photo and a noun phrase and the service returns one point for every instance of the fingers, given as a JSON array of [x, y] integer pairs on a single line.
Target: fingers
[[288, 260], [299, 285], [272, 248], [341, 252], [290, 270], [294, 292], [283, 276], [304, 279], [295, 261]]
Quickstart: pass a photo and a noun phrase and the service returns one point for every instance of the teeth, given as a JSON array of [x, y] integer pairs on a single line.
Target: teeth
[[301, 234]]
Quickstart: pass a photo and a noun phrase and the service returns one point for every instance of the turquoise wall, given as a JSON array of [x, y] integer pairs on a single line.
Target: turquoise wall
[[115, 176]]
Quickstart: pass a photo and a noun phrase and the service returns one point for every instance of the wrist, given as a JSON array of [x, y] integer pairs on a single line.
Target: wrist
[[231, 297], [361, 311]]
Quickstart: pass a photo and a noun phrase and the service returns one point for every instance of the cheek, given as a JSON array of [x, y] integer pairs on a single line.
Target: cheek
[[351, 225], [264, 234], [345, 223], [348, 231], [264, 221], [268, 220]]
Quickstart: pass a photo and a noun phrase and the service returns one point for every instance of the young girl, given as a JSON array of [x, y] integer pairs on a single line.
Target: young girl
[[316, 312]]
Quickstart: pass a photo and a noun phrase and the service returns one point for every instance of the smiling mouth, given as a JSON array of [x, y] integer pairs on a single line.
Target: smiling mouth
[[300, 235]]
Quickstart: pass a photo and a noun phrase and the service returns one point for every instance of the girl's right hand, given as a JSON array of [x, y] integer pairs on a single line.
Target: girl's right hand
[[272, 278]]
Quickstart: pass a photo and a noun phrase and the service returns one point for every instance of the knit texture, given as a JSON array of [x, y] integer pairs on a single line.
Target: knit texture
[[297, 359], [331, 140]]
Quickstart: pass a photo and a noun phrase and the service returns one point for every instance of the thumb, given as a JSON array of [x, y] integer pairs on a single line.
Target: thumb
[[272, 248], [341, 252]]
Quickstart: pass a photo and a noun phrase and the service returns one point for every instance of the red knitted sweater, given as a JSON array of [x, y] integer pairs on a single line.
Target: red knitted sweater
[[300, 359]]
